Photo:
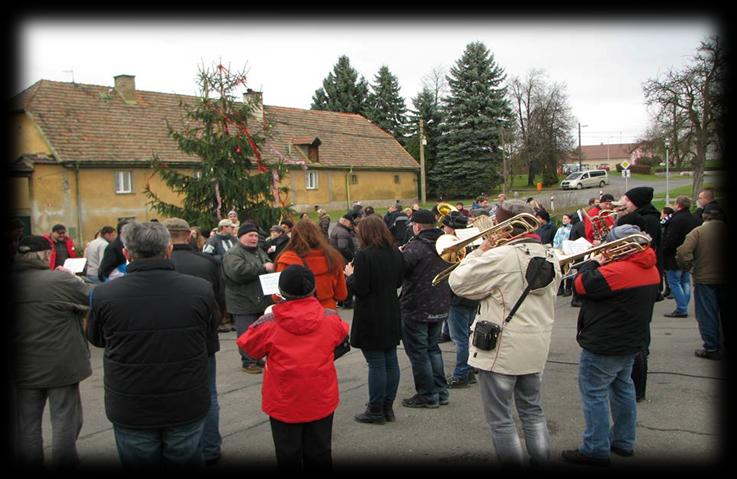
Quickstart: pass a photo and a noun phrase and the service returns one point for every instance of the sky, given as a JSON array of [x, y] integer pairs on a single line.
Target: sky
[[602, 62]]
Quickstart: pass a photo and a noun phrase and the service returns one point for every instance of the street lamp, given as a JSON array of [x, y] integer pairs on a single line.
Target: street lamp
[[579, 145], [667, 174], [500, 122]]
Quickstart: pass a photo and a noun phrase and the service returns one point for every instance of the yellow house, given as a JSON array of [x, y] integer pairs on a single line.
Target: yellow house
[[83, 155]]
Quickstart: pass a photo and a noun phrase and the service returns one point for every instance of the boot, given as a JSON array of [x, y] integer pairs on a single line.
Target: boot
[[389, 412], [374, 414]]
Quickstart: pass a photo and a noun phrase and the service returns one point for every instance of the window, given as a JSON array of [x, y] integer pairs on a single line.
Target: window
[[313, 154], [396, 179], [354, 179], [124, 182], [311, 180]]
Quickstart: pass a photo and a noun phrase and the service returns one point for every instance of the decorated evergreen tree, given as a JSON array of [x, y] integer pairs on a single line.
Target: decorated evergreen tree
[[228, 139], [469, 157], [385, 105], [426, 107], [342, 90]]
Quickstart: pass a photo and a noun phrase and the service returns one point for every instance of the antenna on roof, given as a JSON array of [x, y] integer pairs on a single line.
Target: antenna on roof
[[70, 71]]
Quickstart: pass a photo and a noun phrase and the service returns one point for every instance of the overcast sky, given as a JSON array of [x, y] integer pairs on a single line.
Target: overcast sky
[[603, 63]]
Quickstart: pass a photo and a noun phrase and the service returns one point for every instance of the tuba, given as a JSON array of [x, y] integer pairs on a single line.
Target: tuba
[[444, 209], [452, 249], [613, 251]]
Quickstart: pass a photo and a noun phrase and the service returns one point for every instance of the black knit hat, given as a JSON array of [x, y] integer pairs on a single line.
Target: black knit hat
[[296, 282], [455, 220], [246, 228], [640, 196], [33, 243], [423, 217]]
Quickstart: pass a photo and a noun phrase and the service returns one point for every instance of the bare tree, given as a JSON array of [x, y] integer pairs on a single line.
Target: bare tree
[[436, 82]]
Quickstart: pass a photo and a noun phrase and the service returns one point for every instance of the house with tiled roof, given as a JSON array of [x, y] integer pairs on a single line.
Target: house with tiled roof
[[609, 154], [83, 155]]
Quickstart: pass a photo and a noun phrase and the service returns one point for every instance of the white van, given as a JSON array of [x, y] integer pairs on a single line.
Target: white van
[[586, 179]]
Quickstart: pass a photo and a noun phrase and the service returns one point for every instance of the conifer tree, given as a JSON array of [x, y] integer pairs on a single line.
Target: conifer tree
[[386, 107], [469, 157], [228, 139], [342, 90]]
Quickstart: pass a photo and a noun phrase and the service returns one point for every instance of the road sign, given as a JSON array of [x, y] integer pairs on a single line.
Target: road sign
[[625, 164]]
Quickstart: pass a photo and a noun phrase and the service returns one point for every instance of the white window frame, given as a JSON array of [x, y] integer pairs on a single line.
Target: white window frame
[[311, 180], [121, 178]]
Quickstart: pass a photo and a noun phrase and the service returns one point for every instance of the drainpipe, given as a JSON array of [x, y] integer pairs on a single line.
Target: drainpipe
[[80, 232], [348, 187]]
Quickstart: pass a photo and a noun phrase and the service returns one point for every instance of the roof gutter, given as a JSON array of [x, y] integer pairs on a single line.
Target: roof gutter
[[348, 187]]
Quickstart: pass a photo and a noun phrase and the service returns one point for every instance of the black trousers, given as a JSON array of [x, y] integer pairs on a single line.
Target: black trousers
[[639, 374], [305, 446]]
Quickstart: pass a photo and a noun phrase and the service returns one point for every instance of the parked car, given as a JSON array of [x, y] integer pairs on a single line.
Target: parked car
[[586, 179], [603, 166]]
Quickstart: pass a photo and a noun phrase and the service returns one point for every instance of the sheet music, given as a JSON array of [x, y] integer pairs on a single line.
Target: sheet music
[[76, 265], [269, 283], [574, 247]]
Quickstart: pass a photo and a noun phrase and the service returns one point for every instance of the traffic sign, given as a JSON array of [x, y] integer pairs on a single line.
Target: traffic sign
[[625, 164]]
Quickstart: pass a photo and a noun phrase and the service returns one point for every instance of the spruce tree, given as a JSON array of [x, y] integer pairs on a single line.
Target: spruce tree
[[225, 136], [386, 107], [342, 90], [469, 157], [426, 107]]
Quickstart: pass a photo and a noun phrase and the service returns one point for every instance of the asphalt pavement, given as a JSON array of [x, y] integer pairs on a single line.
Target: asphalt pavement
[[679, 425]]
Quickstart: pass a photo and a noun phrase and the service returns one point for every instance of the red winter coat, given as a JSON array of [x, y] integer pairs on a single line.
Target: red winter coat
[[298, 339], [329, 286], [70, 248]]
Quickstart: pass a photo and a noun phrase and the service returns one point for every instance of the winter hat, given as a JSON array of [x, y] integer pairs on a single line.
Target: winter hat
[[350, 216], [225, 222], [33, 243], [423, 217], [606, 197], [455, 220], [640, 196], [296, 282], [511, 208], [713, 209], [621, 231], [175, 224], [246, 228]]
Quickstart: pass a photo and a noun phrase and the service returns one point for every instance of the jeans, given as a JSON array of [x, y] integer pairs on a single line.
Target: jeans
[[459, 323], [383, 380], [65, 407], [708, 298], [211, 440], [680, 287], [303, 446], [606, 387], [242, 322], [421, 345], [177, 446], [497, 393]]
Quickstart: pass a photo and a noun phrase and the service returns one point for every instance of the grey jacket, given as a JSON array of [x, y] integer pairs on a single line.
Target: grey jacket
[[241, 268], [48, 307]]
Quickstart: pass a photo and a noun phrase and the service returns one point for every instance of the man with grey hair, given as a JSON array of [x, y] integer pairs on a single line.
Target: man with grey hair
[[51, 354], [155, 324]]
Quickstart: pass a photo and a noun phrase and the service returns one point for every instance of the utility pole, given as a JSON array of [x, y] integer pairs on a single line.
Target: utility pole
[[423, 192], [579, 146], [504, 162]]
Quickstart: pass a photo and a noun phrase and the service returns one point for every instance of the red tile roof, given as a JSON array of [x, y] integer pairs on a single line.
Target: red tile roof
[[594, 153], [92, 123]]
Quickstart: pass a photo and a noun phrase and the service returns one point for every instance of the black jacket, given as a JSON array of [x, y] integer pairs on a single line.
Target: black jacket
[[154, 324], [188, 261], [577, 230], [618, 301], [377, 274], [111, 258], [343, 239], [679, 225], [420, 300]]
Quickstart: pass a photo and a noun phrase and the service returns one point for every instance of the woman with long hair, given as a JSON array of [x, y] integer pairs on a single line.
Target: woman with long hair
[[308, 247], [373, 277], [197, 241]]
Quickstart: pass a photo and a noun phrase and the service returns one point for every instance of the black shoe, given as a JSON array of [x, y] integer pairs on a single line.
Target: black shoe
[[659, 298], [444, 338], [418, 401], [676, 314], [374, 414], [456, 382], [444, 402], [213, 461], [567, 292], [576, 457], [389, 412], [622, 452], [576, 303], [639, 398], [708, 354]]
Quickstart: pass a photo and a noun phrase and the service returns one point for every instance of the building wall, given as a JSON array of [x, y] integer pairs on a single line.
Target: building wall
[[26, 137]]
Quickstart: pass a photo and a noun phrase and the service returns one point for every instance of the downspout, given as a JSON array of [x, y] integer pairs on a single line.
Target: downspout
[[80, 232], [348, 187]]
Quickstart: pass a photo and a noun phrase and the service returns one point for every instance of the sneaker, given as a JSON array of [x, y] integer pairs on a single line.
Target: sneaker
[[418, 401], [622, 452], [444, 402], [253, 369], [455, 382], [575, 456], [676, 314], [712, 354]]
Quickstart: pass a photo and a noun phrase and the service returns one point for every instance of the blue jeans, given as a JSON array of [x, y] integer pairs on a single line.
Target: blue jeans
[[708, 307], [605, 382], [680, 287], [459, 323], [383, 380], [421, 345], [157, 448], [211, 440]]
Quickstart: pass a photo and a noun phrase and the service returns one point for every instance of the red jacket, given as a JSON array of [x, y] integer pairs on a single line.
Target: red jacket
[[70, 248], [298, 339], [589, 228], [329, 287]]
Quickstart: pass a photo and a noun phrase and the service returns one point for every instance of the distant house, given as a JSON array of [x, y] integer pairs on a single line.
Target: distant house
[[610, 155], [83, 155]]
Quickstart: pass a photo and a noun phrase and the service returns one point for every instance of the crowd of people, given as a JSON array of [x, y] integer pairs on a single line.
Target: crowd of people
[[154, 296]]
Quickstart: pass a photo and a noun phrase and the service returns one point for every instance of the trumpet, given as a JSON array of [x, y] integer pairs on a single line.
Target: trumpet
[[452, 249], [612, 251]]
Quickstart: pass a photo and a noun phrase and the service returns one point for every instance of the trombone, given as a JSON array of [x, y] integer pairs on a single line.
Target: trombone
[[452, 249], [613, 251]]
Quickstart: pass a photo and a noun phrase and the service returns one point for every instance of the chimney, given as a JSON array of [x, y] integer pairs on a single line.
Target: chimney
[[126, 87], [256, 100]]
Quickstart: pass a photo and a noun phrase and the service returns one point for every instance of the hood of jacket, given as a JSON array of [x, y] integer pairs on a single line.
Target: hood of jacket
[[429, 236], [299, 316]]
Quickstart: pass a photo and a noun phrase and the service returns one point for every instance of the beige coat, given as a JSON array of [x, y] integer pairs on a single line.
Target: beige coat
[[497, 278], [704, 249]]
